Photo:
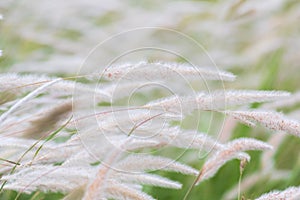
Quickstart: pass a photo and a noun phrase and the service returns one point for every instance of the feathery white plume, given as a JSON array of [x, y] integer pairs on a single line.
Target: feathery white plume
[[215, 100], [272, 120], [165, 71], [231, 151], [291, 193]]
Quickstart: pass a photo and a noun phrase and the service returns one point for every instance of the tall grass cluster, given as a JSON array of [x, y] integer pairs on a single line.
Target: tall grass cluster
[[149, 100]]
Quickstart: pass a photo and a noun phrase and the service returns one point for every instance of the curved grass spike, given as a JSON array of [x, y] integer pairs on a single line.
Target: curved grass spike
[[19, 160], [47, 81], [31, 95], [143, 122], [36, 153], [51, 136]]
